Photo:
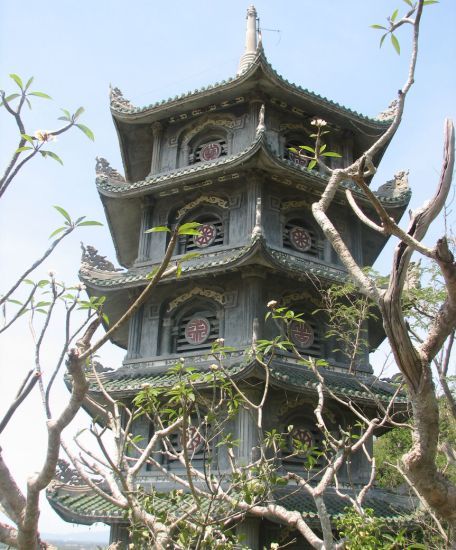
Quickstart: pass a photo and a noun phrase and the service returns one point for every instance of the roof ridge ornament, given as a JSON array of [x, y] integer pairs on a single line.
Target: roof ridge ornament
[[251, 41], [104, 170], [390, 112], [118, 101]]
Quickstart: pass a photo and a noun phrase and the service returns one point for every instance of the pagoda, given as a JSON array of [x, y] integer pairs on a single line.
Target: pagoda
[[221, 156]]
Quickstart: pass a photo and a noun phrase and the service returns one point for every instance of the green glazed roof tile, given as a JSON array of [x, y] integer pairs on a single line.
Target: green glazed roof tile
[[85, 506]]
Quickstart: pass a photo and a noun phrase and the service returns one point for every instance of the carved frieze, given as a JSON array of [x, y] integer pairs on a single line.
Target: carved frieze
[[197, 291], [295, 297], [231, 124], [208, 109], [291, 205], [207, 199]]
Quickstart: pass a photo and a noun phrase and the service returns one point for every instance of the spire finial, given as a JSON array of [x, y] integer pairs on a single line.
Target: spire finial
[[250, 40]]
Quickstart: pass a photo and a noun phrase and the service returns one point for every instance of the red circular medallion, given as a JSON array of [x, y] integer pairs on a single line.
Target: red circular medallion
[[302, 334], [208, 232], [210, 151], [197, 330], [300, 238]]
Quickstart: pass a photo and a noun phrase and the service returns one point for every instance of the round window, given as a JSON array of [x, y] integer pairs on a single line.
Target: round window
[[301, 334], [197, 330]]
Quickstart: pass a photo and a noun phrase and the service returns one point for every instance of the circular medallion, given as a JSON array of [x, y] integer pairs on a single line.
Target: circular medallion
[[210, 151], [300, 238], [303, 435], [194, 439], [301, 334], [208, 232], [197, 330]]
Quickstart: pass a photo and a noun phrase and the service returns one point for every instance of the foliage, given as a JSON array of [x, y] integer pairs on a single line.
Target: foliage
[[367, 532]]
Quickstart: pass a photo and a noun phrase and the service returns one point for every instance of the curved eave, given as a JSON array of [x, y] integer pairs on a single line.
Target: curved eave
[[122, 201], [86, 507], [82, 505], [126, 382], [260, 68], [255, 252]]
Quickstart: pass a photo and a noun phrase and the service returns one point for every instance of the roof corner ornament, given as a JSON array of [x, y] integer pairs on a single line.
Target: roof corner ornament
[[90, 259], [390, 112], [118, 101], [261, 127], [257, 230], [251, 44], [104, 170], [394, 188]]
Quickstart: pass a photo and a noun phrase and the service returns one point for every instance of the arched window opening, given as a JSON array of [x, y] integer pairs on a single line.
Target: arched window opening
[[300, 237]]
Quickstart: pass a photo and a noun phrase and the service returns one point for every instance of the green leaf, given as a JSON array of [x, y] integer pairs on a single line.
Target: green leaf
[[311, 164], [409, 2], [27, 138], [105, 319], [40, 94], [190, 232], [331, 154], [322, 148], [87, 131], [10, 97], [307, 148], [179, 271], [395, 43], [89, 222], [382, 39], [17, 302], [17, 80], [56, 232], [393, 17], [53, 156], [429, 2], [158, 229], [29, 81], [28, 103], [378, 27], [78, 113], [190, 256], [189, 228], [63, 212], [20, 149], [67, 115]]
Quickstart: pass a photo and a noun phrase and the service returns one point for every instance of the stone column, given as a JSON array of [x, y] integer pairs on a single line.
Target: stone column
[[166, 338], [157, 130], [144, 239]]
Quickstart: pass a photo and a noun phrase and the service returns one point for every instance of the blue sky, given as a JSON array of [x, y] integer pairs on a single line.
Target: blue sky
[[154, 50]]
